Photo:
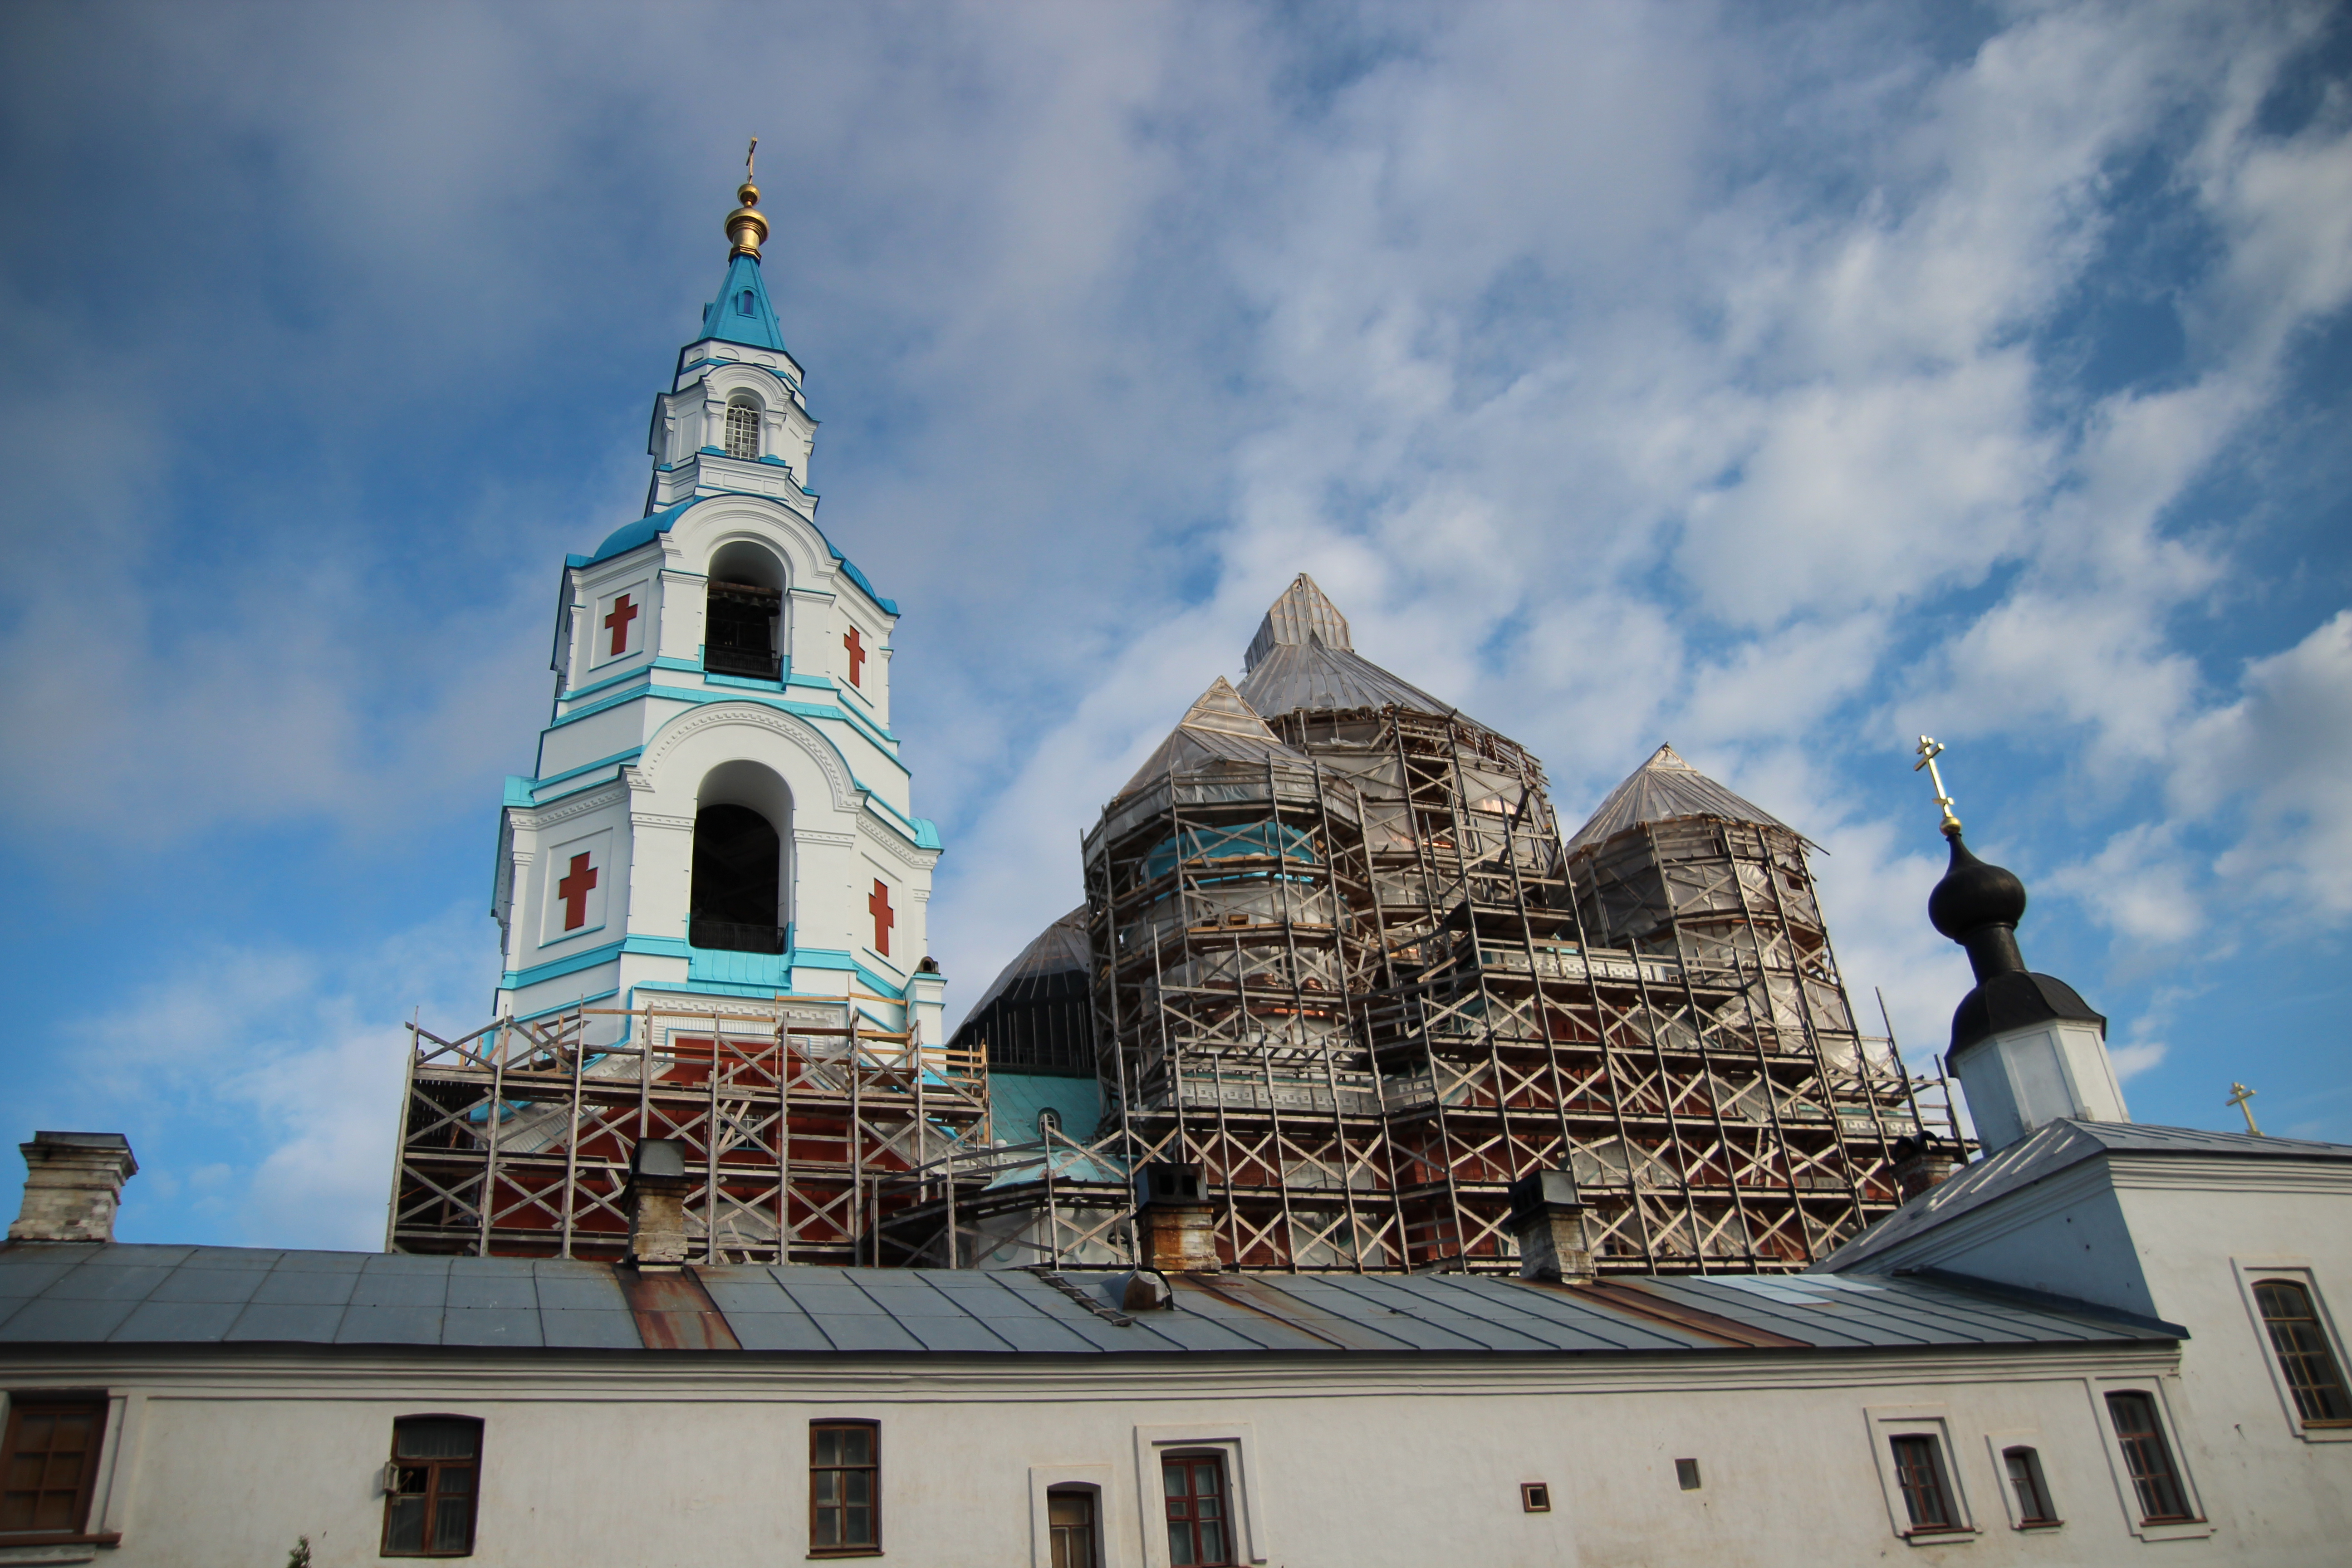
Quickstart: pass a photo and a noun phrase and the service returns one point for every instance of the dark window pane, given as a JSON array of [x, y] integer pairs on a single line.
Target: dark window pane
[[453, 1521], [828, 1527], [1179, 1544], [2025, 1481], [2303, 1353], [403, 1525], [2147, 1457], [434, 1439], [857, 1528], [1919, 1472], [1212, 1543], [857, 1447]]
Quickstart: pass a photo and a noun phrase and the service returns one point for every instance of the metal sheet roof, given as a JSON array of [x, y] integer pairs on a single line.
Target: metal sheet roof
[[1662, 789], [1218, 728], [68, 1294], [2054, 1147], [1060, 949]]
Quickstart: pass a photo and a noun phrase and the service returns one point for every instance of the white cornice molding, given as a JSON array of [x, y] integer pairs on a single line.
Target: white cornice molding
[[869, 831], [752, 715], [540, 817], [642, 1376]]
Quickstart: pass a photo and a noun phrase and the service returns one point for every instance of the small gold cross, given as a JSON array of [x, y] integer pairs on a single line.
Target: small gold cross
[[2239, 1095], [1929, 749], [748, 155]]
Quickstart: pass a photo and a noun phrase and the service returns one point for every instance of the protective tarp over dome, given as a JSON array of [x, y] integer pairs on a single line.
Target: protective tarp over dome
[[1033, 1017], [1219, 728], [1662, 789], [1302, 658]]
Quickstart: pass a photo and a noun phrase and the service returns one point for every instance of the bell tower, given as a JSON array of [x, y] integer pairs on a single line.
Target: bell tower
[[719, 809]]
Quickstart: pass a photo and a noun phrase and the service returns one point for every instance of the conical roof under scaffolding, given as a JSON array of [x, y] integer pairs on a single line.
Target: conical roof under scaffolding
[[1302, 657], [1661, 790], [1219, 728]]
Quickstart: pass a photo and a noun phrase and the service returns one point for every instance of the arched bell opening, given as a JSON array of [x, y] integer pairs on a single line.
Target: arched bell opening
[[743, 630], [741, 896]]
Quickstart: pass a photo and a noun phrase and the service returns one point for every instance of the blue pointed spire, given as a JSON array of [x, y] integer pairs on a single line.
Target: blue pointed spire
[[741, 314]]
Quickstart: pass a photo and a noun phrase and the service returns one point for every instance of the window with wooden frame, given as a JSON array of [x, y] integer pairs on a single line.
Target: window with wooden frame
[[2148, 1458], [844, 1489], [1070, 1523], [1200, 1511], [2022, 1466], [1919, 1473], [48, 1470], [2305, 1359], [432, 1487]]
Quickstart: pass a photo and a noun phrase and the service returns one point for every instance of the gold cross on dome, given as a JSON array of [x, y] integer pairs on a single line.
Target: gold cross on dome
[[2239, 1095], [1929, 749]]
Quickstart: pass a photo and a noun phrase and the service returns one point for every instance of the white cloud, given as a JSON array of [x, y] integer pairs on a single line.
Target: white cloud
[[2138, 1058]]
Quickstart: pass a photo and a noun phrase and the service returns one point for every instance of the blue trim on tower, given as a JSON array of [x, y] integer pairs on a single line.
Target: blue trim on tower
[[741, 314], [645, 529]]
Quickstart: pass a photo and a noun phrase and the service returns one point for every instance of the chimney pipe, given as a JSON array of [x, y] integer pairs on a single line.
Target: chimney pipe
[[1174, 1231], [73, 1184], [1547, 1218], [1924, 1163], [658, 1187]]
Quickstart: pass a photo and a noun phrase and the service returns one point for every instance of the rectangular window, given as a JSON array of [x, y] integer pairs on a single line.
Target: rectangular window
[[2148, 1459], [428, 1511], [51, 1458], [2300, 1342], [2025, 1483], [1200, 1520], [844, 1489], [1070, 1519], [1919, 1471]]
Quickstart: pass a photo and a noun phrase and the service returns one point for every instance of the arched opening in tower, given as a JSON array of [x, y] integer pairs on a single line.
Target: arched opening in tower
[[743, 612], [738, 869]]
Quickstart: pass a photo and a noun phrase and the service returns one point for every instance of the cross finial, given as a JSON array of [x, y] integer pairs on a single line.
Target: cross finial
[[1929, 749], [749, 154], [2239, 1096]]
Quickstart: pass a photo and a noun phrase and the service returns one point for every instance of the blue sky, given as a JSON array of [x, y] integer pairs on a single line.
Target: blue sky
[[1779, 381]]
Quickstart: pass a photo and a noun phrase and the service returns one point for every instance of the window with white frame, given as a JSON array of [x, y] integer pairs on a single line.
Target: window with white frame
[[743, 430], [1925, 1500]]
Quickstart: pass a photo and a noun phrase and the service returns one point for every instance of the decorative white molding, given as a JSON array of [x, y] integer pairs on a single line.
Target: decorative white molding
[[593, 800], [906, 854], [751, 715], [819, 835]]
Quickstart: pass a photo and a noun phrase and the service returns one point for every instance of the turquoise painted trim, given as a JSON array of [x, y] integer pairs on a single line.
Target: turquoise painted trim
[[883, 740], [744, 682], [646, 528], [708, 361], [772, 969], [629, 695], [689, 666], [846, 962], [709, 452], [635, 670], [518, 790], [567, 1006], [773, 462], [726, 321], [556, 969], [715, 988], [918, 830], [821, 682], [631, 755]]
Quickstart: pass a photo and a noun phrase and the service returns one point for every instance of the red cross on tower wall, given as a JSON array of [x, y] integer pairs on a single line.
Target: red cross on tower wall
[[577, 883], [857, 676], [878, 906], [617, 623]]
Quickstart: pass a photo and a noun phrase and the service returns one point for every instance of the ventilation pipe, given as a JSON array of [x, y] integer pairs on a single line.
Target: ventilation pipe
[[1174, 1230], [1547, 1218], [658, 1187]]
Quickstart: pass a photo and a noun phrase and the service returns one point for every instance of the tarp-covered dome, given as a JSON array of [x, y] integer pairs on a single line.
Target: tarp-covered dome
[[1662, 789]]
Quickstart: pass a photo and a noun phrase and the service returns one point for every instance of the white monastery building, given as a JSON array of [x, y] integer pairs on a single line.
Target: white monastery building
[[713, 1250]]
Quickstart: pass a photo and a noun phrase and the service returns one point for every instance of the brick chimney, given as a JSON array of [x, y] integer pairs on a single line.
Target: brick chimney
[[658, 1187], [1924, 1163], [73, 1183], [1174, 1230], [1547, 1218]]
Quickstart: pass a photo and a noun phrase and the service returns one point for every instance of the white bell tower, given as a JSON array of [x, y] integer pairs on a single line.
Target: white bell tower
[[719, 809]]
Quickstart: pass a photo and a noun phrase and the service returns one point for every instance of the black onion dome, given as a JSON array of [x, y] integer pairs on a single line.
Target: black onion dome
[[1974, 895]]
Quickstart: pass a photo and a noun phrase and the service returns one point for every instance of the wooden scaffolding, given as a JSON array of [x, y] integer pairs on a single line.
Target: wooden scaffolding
[[516, 1139]]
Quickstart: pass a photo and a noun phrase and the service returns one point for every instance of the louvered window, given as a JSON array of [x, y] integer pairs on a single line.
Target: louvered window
[[742, 431]]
